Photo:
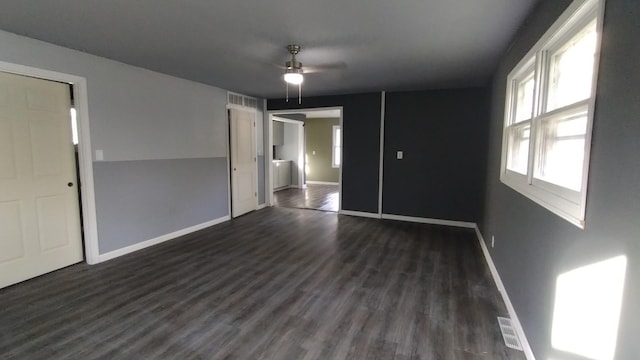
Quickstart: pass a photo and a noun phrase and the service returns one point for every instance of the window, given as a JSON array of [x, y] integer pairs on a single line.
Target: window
[[549, 114], [336, 154]]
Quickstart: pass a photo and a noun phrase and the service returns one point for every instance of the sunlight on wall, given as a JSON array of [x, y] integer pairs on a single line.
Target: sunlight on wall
[[587, 309], [306, 164]]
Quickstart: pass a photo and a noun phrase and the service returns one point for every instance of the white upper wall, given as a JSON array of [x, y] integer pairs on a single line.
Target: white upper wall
[[134, 113]]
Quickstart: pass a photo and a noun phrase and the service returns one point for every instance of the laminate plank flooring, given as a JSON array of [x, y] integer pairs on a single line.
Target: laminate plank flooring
[[315, 196], [278, 283]]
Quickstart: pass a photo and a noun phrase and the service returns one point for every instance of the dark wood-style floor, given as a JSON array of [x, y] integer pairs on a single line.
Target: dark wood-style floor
[[315, 196], [274, 284]]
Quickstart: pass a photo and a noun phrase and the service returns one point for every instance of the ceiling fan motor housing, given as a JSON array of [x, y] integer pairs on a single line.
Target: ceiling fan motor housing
[[293, 66]]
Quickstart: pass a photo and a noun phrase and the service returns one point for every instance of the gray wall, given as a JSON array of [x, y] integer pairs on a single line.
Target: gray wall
[[534, 246], [289, 151], [138, 117], [442, 134], [150, 198], [361, 134]]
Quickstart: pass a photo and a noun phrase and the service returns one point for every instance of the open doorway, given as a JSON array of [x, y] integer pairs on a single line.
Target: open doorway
[[306, 158]]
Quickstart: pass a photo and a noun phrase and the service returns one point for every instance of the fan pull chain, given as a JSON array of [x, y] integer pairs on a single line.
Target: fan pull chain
[[287, 84], [300, 93]]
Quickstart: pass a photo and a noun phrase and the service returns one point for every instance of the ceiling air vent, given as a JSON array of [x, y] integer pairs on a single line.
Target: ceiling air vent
[[509, 334]]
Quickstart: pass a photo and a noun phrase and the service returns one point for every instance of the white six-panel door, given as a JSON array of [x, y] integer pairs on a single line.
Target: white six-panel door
[[243, 162], [39, 207]]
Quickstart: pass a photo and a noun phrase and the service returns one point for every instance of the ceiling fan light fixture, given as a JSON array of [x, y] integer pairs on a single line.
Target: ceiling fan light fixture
[[294, 78]]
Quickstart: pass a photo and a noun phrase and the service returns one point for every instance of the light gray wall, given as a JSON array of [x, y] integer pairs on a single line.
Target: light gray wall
[[145, 199], [289, 151], [137, 117], [533, 245]]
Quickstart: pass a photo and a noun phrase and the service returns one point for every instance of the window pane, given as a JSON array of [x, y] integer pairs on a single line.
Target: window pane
[[524, 100], [518, 149], [571, 73], [338, 139], [562, 151], [336, 155]]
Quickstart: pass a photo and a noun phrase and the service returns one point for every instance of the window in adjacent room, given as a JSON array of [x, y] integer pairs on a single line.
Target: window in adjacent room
[[336, 154], [549, 113]]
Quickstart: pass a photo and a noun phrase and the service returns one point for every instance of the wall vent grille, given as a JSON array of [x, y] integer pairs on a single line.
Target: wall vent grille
[[509, 334], [241, 100]]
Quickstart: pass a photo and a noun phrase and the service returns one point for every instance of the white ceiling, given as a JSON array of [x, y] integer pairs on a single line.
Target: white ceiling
[[236, 44]]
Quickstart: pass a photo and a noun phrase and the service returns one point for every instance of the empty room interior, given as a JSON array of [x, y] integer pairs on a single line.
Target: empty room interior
[[320, 179]]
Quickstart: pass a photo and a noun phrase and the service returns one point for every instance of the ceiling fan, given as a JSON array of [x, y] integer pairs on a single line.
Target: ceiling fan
[[293, 71]]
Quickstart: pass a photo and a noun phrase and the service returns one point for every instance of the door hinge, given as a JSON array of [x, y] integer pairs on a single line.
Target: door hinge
[[255, 194]]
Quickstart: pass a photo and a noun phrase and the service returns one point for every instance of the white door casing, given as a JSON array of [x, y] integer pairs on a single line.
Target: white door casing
[[39, 207], [243, 161]]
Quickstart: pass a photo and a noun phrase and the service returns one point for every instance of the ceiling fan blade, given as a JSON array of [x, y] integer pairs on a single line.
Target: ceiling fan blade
[[324, 67]]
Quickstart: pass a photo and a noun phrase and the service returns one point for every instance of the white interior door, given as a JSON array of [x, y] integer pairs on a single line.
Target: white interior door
[[39, 207], [243, 162]]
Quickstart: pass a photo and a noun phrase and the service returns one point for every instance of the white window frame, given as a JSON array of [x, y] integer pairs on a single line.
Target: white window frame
[[564, 202], [334, 131]]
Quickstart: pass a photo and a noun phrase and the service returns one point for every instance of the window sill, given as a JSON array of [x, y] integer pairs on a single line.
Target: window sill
[[562, 207]]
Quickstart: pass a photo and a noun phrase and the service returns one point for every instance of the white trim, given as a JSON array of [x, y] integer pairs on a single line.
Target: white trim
[[261, 206], [160, 239], [381, 173], [271, 114], [422, 220], [505, 297], [322, 182], [566, 203], [227, 126], [359, 214], [81, 104], [285, 120]]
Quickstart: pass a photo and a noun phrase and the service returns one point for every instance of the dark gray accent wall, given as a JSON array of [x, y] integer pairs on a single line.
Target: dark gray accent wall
[[361, 135], [443, 136], [534, 246], [141, 200]]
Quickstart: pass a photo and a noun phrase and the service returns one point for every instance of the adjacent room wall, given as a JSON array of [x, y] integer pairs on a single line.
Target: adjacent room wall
[[163, 139], [442, 134], [319, 149], [534, 246], [361, 135], [289, 151]]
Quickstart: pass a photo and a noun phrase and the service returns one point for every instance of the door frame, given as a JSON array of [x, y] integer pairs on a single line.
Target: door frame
[[254, 138], [85, 159], [302, 181], [268, 168]]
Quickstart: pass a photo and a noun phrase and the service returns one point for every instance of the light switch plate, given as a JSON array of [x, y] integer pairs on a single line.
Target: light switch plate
[[399, 155], [99, 155]]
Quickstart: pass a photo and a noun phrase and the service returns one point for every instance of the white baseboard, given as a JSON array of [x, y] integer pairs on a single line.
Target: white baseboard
[[463, 224], [505, 297], [359, 213], [144, 244], [261, 206], [322, 182]]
